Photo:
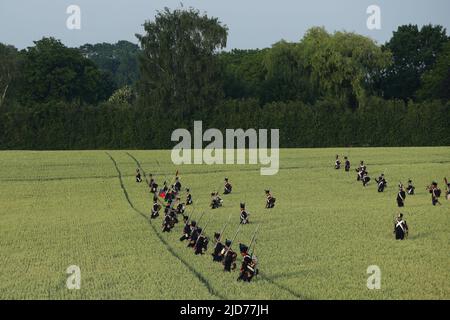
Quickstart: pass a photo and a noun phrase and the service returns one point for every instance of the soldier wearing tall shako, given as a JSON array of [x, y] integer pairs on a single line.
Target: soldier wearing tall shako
[[337, 163], [219, 248], [382, 183], [188, 228], [401, 196], [155, 208], [248, 268], [188, 197], [201, 245], [270, 200], [400, 228], [229, 257], [410, 188], [138, 175], [216, 201], [347, 164], [244, 215], [227, 187], [152, 184], [435, 193]]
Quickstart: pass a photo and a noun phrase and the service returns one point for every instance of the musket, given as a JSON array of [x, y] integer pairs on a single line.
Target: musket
[[200, 218], [232, 240], [223, 229], [254, 236], [203, 230]]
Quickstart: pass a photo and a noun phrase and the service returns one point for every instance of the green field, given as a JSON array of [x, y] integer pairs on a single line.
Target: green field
[[70, 208]]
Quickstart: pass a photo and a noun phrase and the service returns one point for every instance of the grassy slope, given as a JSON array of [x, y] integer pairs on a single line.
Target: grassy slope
[[63, 208]]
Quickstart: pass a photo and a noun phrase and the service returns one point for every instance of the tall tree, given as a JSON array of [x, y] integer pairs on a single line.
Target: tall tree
[[9, 65], [414, 52], [53, 72], [120, 59], [436, 82], [179, 68], [341, 65]]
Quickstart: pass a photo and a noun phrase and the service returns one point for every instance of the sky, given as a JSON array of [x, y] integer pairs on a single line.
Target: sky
[[251, 23]]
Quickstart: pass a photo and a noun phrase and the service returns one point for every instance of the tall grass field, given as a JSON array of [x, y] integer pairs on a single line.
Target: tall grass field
[[84, 208]]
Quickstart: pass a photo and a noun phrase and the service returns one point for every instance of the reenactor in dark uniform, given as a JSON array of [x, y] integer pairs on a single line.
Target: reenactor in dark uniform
[[401, 196], [177, 185], [337, 163], [194, 237], [365, 177], [360, 170], [216, 201], [181, 208], [153, 185], [227, 187], [400, 228], [410, 188], [270, 200], [229, 260], [347, 164], [169, 222], [218, 248], [186, 229], [435, 193], [201, 245], [244, 215], [188, 198], [382, 183], [138, 175], [155, 208], [248, 268]]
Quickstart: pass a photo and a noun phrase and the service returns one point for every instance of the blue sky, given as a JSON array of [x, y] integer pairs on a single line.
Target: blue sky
[[251, 23]]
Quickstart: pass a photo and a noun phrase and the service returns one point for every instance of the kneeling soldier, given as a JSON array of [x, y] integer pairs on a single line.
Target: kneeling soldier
[[188, 198], [228, 187], [201, 245], [248, 267], [138, 176], [218, 248]]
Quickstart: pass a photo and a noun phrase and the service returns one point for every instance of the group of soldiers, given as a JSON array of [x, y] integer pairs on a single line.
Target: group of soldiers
[[400, 225], [169, 197]]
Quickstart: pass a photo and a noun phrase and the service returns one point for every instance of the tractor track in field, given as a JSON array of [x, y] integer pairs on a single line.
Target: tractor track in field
[[262, 275], [200, 277]]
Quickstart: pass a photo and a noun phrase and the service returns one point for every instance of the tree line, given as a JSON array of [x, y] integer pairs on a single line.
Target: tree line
[[327, 89]]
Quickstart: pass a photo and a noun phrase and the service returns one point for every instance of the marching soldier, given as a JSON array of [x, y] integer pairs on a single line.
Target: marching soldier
[[188, 198], [435, 193], [177, 185], [227, 187], [218, 248], [229, 260], [155, 208], [401, 196], [382, 183], [138, 175], [337, 163], [400, 228], [153, 185], [248, 268], [187, 229], [244, 215], [201, 245], [347, 164], [365, 177], [410, 188], [360, 170], [270, 200]]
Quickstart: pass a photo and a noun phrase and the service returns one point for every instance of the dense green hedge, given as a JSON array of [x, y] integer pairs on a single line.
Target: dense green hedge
[[376, 123]]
